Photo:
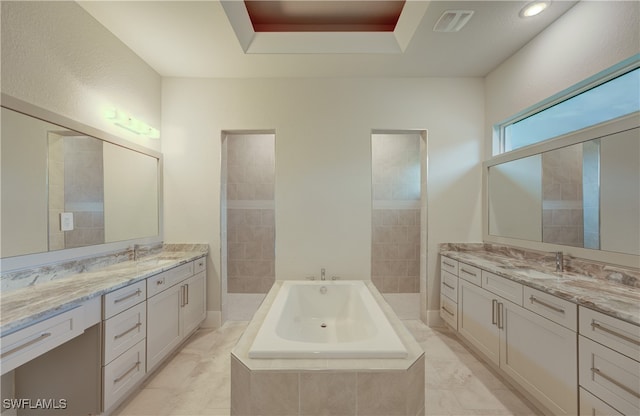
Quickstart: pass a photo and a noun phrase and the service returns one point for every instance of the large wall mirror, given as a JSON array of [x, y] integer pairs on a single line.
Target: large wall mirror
[[582, 190], [63, 188]]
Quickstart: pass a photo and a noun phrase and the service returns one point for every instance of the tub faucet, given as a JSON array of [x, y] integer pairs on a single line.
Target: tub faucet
[[322, 274], [559, 261]]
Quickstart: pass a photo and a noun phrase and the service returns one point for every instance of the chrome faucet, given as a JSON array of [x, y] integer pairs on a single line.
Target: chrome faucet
[[322, 274], [559, 261]]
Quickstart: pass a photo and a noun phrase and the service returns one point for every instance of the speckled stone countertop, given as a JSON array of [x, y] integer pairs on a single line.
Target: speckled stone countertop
[[609, 289], [27, 305]]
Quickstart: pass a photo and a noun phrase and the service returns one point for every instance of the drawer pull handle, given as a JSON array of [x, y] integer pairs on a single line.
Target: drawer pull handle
[[596, 325], [533, 299], [26, 344], [494, 304], [159, 282], [131, 295], [468, 272], [447, 311], [448, 264], [122, 377], [610, 379], [448, 285], [133, 328]]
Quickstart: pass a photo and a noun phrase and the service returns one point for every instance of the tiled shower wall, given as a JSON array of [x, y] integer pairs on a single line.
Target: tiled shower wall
[[395, 247], [250, 213]]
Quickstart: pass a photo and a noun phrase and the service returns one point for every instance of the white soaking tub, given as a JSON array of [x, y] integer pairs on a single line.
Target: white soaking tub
[[326, 319]]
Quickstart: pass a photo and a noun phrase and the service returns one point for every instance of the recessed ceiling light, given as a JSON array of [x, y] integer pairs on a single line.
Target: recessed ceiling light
[[534, 8]]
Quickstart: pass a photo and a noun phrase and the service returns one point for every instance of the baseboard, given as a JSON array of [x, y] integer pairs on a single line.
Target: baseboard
[[434, 319], [213, 320]]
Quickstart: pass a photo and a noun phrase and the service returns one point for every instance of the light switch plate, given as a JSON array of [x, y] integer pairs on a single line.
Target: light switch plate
[[66, 221]]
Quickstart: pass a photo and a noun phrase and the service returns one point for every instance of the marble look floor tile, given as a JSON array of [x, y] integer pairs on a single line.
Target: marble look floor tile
[[196, 380]]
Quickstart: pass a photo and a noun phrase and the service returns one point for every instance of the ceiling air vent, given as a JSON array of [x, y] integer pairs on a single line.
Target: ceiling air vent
[[452, 20]]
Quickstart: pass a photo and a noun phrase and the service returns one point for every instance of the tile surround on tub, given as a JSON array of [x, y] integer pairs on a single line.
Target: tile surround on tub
[[327, 386]]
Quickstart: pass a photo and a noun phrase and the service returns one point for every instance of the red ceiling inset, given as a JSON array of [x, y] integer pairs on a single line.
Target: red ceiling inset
[[324, 16]]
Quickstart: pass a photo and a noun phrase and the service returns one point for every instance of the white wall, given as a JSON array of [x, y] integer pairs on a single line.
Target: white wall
[[56, 56], [590, 37], [323, 163]]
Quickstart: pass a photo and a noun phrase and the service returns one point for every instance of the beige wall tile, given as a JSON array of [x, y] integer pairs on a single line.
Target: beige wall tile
[[274, 393], [381, 393], [327, 393]]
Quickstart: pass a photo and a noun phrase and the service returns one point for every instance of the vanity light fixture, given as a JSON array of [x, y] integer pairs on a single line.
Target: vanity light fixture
[[124, 120], [534, 8]]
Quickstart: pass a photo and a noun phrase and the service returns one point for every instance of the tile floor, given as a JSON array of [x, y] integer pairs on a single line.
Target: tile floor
[[195, 381]]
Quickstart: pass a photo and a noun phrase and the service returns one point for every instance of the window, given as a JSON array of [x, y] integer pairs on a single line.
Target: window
[[609, 99]]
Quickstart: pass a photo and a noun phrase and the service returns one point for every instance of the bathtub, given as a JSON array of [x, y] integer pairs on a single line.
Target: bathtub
[[326, 319]]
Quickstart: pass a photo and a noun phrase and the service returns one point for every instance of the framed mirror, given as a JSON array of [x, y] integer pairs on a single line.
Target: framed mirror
[[67, 186], [571, 192]]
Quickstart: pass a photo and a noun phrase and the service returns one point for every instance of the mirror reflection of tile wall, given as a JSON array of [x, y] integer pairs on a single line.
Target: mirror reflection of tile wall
[[250, 213], [562, 218], [395, 247], [75, 186]]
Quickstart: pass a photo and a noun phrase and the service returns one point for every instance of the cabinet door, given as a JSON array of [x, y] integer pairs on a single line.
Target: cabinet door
[[477, 320], [194, 307], [590, 405], [163, 324], [541, 356]]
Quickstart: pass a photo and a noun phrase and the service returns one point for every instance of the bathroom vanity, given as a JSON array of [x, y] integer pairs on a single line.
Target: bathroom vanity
[[569, 340], [82, 343]]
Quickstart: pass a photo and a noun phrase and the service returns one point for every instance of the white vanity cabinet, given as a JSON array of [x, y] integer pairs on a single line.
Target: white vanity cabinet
[[176, 306], [523, 331], [57, 358], [609, 364], [124, 333], [449, 291]]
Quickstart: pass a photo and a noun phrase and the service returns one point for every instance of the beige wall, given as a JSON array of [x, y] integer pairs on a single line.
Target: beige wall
[[323, 163], [592, 36], [56, 56], [563, 55]]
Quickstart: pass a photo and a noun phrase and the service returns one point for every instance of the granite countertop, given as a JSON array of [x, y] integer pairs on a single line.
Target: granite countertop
[[25, 306], [609, 294]]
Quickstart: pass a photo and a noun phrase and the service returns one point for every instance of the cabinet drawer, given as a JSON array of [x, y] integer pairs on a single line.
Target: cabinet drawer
[[124, 330], [123, 373], [449, 312], [502, 287], [621, 336], [199, 265], [449, 286], [35, 340], [166, 279], [611, 376], [470, 273], [551, 307], [590, 405], [124, 298], [449, 265]]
